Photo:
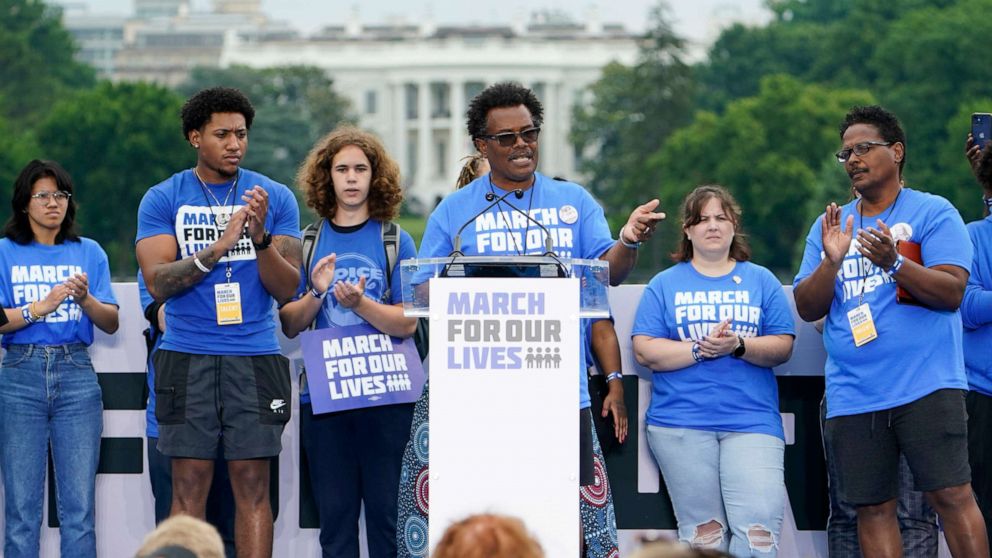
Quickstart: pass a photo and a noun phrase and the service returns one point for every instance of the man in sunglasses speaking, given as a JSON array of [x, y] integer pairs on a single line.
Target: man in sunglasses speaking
[[895, 370], [504, 121]]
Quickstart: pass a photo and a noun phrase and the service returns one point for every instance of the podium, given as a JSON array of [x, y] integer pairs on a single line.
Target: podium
[[505, 362]]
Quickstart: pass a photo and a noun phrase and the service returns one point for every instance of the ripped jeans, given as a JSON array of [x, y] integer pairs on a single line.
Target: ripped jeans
[[718, 480]]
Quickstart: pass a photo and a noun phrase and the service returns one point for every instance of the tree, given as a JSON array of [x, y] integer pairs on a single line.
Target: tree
[[36, 60], [633, 110], [294, 107], [116, 141], [774, 152], [15, 152]]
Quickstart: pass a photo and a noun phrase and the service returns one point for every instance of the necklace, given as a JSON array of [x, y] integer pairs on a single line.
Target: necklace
[[222, 216]]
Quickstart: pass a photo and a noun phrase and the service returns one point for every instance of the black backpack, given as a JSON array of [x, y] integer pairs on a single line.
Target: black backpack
[[391, 245]]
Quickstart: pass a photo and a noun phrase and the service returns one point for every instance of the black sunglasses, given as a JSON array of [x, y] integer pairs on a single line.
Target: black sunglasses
[[506, 139]]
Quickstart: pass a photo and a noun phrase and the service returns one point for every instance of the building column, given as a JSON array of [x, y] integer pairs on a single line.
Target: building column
[[550, 132], [423, 185], [396, 103], [457, 135]]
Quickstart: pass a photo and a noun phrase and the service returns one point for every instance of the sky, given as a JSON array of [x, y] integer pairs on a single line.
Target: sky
[[697, 20]]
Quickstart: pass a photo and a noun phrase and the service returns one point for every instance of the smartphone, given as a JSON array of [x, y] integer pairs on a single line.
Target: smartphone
[[981, 128]]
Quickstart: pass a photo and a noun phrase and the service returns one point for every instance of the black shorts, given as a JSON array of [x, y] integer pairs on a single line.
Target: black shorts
[[932, 432], [201, 400], [587, 471]]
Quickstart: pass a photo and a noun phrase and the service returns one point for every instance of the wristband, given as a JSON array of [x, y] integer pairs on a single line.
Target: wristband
[[199, 264], [26, 314], [695, 353], [614, 376], [318, 295], [988, 202], [631, 245], [897, 265], [264, 244]]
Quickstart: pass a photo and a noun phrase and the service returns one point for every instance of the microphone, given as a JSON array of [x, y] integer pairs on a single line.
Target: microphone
[[547, 234], [490, 197]]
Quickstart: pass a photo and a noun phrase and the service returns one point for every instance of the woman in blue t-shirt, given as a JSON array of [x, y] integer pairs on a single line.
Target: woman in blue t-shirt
[[354, 455], [56, 287], [711, 328]]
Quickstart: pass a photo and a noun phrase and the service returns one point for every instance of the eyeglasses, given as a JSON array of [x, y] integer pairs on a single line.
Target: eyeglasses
[[59, 196], [506, 139], [859, 149]]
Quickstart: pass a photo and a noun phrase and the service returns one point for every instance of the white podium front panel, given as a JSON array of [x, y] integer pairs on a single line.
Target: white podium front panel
[[504, 400]]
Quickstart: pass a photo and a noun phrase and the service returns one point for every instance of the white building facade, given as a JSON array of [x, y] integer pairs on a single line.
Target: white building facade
[[411, 85]]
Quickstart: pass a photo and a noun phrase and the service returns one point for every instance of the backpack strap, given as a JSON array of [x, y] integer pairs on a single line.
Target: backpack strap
[[391, 245], [311, 235]]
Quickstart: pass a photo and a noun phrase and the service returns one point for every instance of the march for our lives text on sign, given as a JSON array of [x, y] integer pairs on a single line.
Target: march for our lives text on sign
[[358, 366]]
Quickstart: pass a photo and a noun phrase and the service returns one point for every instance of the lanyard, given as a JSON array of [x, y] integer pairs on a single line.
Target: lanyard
[[862, 262]]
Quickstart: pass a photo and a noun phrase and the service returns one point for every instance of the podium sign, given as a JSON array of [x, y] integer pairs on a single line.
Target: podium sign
[[504, 405]]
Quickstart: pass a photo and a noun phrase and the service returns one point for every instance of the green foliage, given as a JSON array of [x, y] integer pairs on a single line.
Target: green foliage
[[773, 151], [36, 60], [294, 107], [116, 141], [15, 152], [634, 109]]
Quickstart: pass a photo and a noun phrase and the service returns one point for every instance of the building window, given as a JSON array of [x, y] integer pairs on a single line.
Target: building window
[[440, 104], [412, 101], [539, 91], [370, 101], [472, 88]]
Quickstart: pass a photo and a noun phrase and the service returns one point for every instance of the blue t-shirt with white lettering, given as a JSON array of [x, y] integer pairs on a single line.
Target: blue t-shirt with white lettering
[[576, 222], [918, 350], [976, 310], [180, 207], [360, 253], [724, 394], [29, 271]]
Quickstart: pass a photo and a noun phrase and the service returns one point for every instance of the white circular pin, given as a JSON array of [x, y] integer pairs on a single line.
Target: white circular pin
[[901, 231], [568, 214]]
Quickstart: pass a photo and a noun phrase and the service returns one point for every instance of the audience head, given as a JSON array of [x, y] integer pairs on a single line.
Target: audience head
[[487, 536], [885, 123], [182, 536]]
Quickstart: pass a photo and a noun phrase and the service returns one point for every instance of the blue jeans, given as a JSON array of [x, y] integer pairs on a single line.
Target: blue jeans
[[736, 479], [49, 395]]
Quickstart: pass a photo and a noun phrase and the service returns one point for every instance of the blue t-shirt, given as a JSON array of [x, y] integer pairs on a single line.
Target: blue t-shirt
[[976, 310], [180, 208], [724, 394], [918, 350], [151, 423], [576, 222], [29, 271], [360, 253]]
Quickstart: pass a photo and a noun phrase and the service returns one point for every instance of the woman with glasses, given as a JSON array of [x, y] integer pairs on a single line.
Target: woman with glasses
[[56, 287], [711, 328]]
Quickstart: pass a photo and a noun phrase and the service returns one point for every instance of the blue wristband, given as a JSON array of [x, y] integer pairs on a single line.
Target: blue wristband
[[614, 376], [695, 353], [897, 265], [26, 314], [318, 295]]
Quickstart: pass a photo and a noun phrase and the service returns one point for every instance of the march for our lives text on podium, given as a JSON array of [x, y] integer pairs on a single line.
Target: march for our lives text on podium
[[358, 366], [523, 338]]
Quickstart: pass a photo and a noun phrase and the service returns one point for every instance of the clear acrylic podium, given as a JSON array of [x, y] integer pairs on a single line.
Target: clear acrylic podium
[[505, 362]]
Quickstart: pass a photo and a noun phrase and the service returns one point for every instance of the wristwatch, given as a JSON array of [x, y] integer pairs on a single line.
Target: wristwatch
[[265, 243], [741, 349]]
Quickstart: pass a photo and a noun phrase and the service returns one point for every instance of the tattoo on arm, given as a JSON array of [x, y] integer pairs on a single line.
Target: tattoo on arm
[[175, 277], [290, 249]]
